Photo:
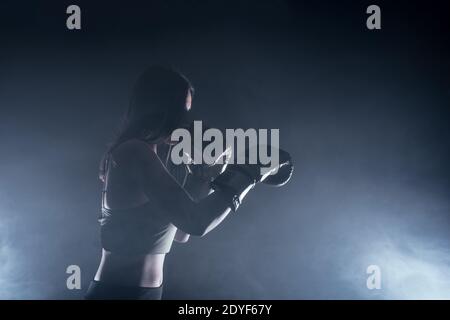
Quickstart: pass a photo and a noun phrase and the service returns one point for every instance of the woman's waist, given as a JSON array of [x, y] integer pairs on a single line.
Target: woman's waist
[[145, 270]]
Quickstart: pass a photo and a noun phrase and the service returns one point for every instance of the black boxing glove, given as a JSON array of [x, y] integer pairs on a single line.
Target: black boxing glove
[[234, 184], [275, 175], [239, 179], [199, 177], [284, 172]]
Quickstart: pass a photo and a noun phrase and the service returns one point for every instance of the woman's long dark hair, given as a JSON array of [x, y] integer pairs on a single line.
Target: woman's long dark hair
[[157, 107]]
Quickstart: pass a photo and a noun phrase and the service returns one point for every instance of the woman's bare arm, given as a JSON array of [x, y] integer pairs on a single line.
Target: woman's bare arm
[[190, 217]]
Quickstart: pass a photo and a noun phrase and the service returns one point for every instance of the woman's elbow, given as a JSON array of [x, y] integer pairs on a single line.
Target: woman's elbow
[[199, 225], [202, 228], [193, 228], [200, 231]]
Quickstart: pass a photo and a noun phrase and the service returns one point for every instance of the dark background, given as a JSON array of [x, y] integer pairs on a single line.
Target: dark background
[[364, 114]]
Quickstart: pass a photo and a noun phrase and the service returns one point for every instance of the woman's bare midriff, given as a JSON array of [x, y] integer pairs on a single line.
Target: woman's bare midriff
[[143, 270]]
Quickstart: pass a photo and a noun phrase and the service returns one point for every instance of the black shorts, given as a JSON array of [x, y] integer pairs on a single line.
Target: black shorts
[[104, 291]]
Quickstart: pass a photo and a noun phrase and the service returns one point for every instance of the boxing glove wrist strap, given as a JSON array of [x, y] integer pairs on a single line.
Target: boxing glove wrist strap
[[235, 184]]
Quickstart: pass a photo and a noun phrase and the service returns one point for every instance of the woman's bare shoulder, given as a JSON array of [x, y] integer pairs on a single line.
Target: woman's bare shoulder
[[141, 158], [136, 151]]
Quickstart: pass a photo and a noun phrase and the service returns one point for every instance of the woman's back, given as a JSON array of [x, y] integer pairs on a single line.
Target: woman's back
[[131, 222]]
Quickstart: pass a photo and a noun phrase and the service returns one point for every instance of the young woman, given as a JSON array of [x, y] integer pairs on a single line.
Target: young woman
[[146, 203]]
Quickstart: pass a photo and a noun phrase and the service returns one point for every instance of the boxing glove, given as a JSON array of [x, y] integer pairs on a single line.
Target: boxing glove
[[277, 174], [199, 176], [239, 179], [284, 173]]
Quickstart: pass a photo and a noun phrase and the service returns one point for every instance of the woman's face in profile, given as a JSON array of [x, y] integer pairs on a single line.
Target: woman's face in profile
[[188, 106]]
